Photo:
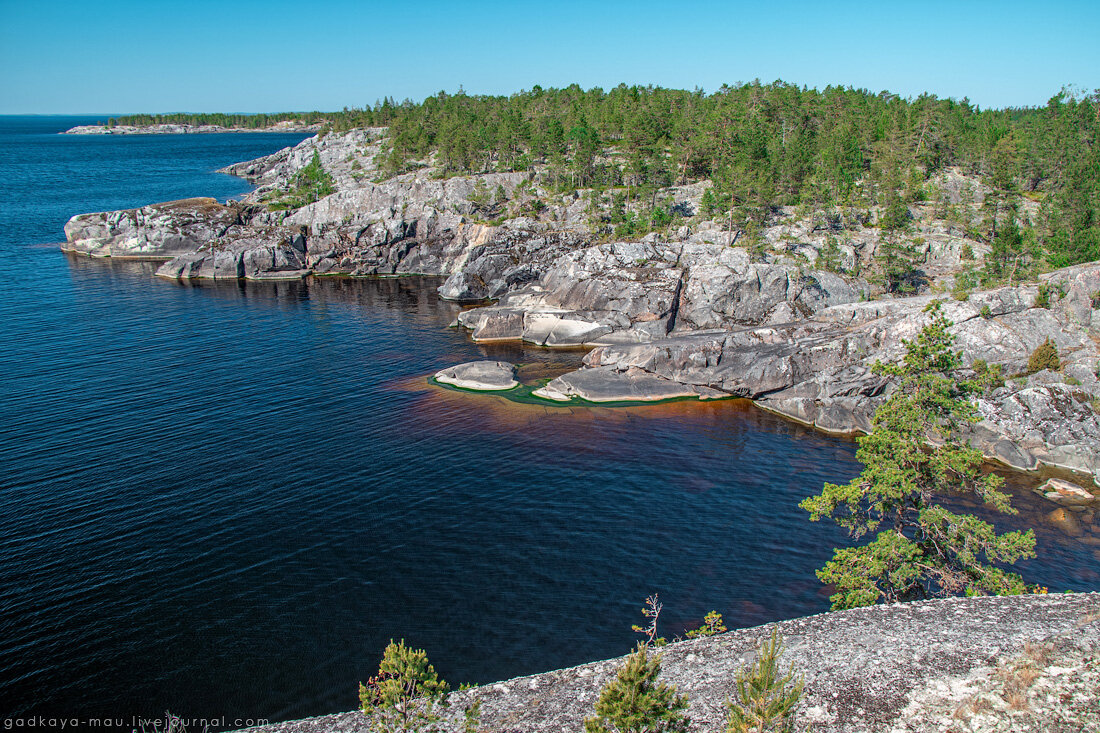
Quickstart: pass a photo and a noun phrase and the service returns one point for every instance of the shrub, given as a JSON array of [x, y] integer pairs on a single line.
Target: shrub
[[985, 312], [311, 183], [712, 624], [532, 208], [634, 702], [652, 611], [967, 252], [405, 693], [1045, 356], [480, 196], [1042, 299], [471, 717], [764, 698], [988, 375]]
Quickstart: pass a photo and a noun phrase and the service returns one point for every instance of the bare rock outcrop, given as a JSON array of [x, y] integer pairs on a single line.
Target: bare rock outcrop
[[159, 231], [186, 129], [640, 291], [818, 371]]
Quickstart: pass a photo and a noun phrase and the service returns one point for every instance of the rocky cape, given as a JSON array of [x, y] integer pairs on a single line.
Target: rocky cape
[[1015, 663], [684, 313]]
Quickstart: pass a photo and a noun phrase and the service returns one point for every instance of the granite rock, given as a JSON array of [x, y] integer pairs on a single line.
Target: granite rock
[[480, 375]]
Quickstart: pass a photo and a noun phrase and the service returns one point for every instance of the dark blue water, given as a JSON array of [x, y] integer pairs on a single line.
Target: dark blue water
[[225, 500]]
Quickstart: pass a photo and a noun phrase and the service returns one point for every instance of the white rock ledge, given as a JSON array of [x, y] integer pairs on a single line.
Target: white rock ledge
[[483, 376]]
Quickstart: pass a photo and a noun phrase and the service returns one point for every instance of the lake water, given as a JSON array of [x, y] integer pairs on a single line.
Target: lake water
[[224, 500]]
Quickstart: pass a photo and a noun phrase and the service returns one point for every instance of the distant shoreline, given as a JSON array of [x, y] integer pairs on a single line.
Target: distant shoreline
[[183, 129]]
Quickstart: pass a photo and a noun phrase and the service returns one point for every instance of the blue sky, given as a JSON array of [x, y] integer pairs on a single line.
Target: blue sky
[[118, 56]]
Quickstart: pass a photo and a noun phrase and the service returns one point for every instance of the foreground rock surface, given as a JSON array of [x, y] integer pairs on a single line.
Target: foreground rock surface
[[930, 666]]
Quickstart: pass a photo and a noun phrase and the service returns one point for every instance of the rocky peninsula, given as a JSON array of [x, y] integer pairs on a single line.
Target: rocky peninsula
[[791, 323]]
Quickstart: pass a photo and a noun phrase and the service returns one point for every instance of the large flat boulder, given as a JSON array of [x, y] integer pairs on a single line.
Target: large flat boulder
[[611, 385], [484, 376]]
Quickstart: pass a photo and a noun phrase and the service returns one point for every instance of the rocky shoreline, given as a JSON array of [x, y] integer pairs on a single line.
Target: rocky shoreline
[[1010, 663], [681, 314], [183, 129]]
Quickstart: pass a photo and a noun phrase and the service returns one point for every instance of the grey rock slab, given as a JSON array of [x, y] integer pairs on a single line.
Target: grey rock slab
[[480, 375], [605, 384], [563, 328], [493, 323]]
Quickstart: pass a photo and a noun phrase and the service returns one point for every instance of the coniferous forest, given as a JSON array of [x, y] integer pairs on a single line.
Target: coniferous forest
[[764, 146]]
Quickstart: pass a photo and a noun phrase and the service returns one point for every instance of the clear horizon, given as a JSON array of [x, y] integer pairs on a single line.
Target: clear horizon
[[123, 57]]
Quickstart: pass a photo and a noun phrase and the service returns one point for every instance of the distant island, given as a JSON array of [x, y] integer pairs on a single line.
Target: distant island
[[185, 129], [184, 123]]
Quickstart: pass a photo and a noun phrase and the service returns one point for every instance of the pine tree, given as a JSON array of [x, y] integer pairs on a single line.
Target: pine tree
[[764, 696], [634, 702], [923, 550], [406, 692]]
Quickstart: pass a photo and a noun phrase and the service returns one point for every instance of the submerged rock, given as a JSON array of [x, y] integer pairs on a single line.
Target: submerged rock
[[480, 375], [1065, 492]]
